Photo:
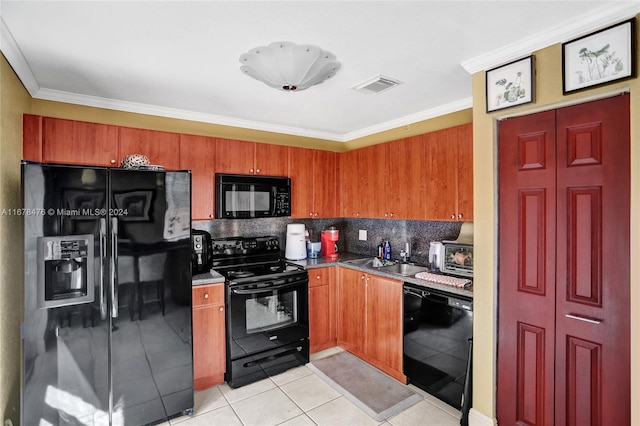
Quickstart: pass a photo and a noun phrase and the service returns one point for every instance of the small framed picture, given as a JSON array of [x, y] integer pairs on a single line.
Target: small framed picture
[[511, 84], [599, 58]]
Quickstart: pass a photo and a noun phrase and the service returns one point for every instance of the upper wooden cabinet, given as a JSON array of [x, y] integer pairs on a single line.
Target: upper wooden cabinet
[[313, 183], [197, 153], [364, 181], [449, 174], [407, 190], [162, 148], [54, 140], [250, 158]]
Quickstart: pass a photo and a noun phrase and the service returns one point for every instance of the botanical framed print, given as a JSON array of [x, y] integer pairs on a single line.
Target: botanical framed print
[[511, 84], [599, 58]]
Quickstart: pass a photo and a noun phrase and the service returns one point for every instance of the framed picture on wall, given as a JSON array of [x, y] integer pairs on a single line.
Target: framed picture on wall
[[511, 84], [599, 58]]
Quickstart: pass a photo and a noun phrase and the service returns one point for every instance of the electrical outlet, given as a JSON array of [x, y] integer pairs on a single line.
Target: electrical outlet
[[362, 234]]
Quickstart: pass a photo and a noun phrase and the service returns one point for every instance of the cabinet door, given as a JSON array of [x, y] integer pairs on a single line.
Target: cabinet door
[[384, 322], [271, 160], [349, 184], [465, 172], [441, 163], [197, 153], [373, 170], [77, 142], [351, 315], [406, 192], [208, 336], [322, 309], [235, 157], [325, 177], [301, 172], [162, 148]]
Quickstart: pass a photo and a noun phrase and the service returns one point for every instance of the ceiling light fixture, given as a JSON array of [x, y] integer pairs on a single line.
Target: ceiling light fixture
[[288, 66]]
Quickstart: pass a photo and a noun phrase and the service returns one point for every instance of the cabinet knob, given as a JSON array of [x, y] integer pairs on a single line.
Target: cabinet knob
[[453, 216], [459, 215], [113, 161], [250, 170], [310, 214], [357, 214], [206, 295], [362, 277], [257, 170], [386, 215], [391, 214], [317, 277], [315, 214], [221, 309], [211, 216]]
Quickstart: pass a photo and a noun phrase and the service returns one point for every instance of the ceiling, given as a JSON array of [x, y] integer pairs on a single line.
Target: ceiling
[[180, 58]]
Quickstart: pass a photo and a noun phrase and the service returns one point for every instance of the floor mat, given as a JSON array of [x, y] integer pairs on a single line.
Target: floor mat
[[375, 393]]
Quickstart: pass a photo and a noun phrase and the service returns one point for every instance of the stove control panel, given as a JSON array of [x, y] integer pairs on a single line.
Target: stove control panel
[[245, 246]]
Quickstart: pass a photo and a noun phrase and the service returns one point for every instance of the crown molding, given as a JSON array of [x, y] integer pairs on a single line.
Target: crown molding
[[576, 27], [17, 61], [410, 119]]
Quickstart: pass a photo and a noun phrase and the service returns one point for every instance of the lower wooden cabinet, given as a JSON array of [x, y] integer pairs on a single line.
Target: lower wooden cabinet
[[322, 308], [370, 319], [209, 358]]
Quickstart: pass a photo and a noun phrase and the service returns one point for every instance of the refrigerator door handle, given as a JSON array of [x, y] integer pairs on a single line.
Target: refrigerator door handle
[[103, 244], [114, 267]]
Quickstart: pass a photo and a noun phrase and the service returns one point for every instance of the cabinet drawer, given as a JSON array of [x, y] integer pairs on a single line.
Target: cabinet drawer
[[208, 294], [321, 276]]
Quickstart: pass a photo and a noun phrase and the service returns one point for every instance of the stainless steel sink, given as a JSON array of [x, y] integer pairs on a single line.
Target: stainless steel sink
[[365, 263], [405, 269]]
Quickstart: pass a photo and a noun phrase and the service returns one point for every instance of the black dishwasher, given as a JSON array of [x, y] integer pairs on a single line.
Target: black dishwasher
[[438, 329]]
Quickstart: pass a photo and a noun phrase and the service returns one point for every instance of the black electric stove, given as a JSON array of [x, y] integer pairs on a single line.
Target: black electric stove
[[267, 313]]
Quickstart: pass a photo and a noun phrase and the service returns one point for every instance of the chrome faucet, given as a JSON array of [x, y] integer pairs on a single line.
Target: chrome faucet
[[405, 253]]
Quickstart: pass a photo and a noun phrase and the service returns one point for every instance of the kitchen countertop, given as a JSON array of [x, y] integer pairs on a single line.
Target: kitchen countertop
[[213, 277]]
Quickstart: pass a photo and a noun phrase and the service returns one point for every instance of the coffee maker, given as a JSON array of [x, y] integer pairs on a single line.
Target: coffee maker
[[329, 242]]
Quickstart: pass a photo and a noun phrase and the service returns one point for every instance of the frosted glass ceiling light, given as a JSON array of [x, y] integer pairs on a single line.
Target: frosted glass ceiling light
[[288, 66]]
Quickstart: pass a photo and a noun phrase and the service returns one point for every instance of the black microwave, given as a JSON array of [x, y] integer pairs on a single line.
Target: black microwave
[[250, 196]]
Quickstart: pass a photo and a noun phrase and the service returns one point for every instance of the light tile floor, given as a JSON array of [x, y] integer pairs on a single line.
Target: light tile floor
[[299, 397]]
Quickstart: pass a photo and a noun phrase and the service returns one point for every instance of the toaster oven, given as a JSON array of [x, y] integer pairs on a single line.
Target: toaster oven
[[457, 259]]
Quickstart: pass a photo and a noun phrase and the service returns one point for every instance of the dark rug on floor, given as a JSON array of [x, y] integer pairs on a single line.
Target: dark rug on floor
[[375, 393]]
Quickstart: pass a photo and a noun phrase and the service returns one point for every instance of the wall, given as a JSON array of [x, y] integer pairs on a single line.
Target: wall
[[548, 96], [14, 101]]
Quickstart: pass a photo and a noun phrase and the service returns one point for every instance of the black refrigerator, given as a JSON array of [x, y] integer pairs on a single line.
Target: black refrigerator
[[107, 295]]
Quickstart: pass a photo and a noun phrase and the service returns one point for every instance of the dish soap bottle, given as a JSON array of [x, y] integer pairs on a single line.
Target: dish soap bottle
[[387, 250]]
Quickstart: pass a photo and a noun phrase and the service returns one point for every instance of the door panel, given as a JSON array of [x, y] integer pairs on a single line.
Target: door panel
[[593, 277], [526, 314]]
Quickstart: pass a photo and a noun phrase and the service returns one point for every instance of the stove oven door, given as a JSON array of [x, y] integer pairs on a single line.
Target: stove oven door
[[267, 327]]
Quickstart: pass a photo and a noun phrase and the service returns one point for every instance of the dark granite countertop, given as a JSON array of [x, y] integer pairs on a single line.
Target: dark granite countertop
[[342, 260]]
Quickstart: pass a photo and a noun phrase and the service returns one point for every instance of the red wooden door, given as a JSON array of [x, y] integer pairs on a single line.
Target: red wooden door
[[563, 315]]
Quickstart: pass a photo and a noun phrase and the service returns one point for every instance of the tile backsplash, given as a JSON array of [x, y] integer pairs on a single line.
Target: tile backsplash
[[418, 233]]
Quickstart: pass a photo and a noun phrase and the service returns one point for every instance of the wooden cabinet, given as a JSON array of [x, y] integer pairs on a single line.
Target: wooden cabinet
[[407, 188], [449, 173], [250, 158], [162, 148], [322, 308], [197, 153], [364, 182], [54, 140], [370, 319], [313, 176], [427, 176], [209, 357]]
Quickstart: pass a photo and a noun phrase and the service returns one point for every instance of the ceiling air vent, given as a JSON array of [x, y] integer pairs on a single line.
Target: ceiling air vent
[[376, 84]]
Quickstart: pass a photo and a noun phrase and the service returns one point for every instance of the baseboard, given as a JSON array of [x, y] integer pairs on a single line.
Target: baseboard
[[476, 418]]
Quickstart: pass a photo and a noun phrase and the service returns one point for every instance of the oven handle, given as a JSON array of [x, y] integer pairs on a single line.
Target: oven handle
[[266, 289], [272, 357]]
